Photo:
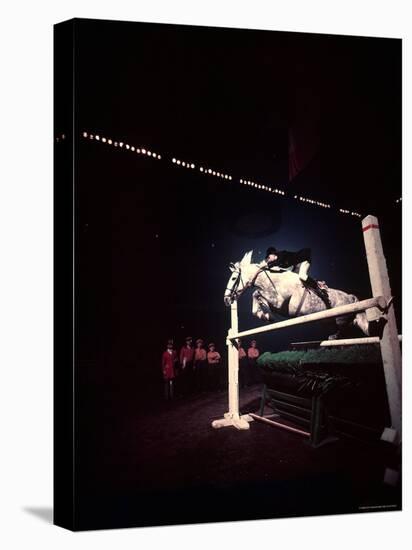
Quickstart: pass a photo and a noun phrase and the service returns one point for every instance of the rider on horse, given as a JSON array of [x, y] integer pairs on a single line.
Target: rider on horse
[[284, 259]]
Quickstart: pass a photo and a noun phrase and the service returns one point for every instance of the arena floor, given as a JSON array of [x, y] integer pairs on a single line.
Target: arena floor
[[146, 462]]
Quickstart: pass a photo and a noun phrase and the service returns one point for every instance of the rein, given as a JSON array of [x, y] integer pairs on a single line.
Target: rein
[[285, 307], [233, 290]]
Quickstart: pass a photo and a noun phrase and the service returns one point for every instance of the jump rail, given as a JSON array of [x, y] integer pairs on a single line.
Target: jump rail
[[379, 306], [339, 342], [340, 311]]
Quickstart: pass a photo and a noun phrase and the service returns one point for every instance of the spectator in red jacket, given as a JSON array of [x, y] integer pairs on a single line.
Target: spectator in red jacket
[[169, 360]]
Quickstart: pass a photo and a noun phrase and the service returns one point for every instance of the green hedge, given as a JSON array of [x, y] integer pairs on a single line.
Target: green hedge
[[309, 367], [345, 355]]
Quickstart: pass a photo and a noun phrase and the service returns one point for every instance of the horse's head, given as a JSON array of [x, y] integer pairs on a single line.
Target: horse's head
[[240, 279]]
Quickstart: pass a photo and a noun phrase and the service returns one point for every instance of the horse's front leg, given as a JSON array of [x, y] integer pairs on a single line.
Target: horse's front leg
[[258, 307]]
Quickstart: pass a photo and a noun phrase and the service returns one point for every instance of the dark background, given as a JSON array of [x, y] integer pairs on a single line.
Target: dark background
[[154, 240]]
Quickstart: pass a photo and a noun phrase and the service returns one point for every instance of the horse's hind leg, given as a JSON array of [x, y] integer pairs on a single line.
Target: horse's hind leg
[[341, 323], [362, 322]]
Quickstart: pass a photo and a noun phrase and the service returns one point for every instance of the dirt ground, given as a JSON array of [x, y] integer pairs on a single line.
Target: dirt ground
[[144, 461]]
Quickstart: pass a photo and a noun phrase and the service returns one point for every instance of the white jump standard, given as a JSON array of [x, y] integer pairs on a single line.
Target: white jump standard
[[389, 345], [380, 306]]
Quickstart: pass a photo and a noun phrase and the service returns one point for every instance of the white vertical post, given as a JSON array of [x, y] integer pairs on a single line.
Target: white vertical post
[[232, 417], [233, 363], [389, 343]]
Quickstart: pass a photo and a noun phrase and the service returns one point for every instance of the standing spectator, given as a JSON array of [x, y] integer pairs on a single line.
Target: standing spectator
[[169, 360], [243, 365], [186, 366], [213, 366], [253, 354], [200, 365]]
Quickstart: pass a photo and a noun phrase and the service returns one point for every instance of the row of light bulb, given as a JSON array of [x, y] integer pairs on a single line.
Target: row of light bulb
[[263, 187], [343, 211], [183, 163], [209, 171], [312, 201], [121, 144]]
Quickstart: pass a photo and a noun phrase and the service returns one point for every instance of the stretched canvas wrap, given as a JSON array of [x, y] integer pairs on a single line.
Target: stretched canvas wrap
[[227, 274]]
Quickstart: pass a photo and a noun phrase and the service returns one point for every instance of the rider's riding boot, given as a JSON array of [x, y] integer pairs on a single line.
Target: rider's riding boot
[[321, 292]]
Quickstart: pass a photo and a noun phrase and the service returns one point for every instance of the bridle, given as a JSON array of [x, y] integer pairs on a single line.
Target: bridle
[[234, 294]]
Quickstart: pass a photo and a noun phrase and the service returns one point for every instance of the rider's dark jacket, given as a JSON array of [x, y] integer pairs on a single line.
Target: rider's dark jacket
[[287, 259]]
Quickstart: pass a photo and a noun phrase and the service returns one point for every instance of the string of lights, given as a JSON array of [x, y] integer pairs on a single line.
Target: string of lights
[[211, 172], [312, 201], [263, 187], [206, 171], [121, 144], [349, 212]]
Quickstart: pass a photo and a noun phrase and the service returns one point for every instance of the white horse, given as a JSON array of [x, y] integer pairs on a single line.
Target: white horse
[[280, 291]]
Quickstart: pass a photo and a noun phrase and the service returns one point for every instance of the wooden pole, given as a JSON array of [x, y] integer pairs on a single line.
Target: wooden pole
[[339, 342], [279, 425], [233, 417], [339, 311], [233, 363], [390, 348]]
